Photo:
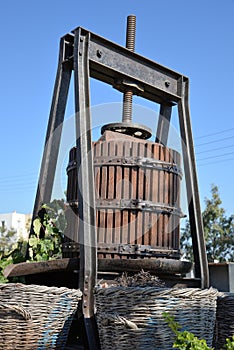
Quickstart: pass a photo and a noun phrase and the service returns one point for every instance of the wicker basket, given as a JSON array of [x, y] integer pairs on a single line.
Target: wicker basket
[[224, 319], [131, 317], [35, 317]]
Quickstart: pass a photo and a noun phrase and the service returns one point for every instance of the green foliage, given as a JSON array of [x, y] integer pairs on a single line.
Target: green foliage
[[7, 244], [46, 242], [218, 231], [43, 244], [16, 255], [19, 251], [185, 340], [230, 343], [171, 322], [3, 263]]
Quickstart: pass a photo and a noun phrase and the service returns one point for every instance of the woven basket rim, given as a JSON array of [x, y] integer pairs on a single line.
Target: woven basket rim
[[226, 294], [177, 292], [19, 287]]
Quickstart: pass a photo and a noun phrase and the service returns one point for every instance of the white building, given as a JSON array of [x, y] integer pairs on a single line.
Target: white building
[[19, 222]]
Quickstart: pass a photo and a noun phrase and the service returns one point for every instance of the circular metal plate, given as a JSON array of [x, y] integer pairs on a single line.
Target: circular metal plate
[[132, 129]]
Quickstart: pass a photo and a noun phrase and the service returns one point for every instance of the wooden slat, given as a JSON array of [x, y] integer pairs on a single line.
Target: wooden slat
[[125, 195], [103, 195], [110, 195], [147, 196], [140, 195], [160, 200], [154, 194], [170, 201], [97, 181], [118, 191], [177, 202], [173, 219], [166, 200], [133, 195]]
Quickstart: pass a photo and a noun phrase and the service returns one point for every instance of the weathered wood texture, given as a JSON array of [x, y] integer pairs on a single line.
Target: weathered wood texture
[[137, 197], [155, 265]]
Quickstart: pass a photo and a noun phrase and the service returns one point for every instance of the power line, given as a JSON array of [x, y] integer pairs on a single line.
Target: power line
[[214, 141], [217, 156], [220, 161], [20, 177], [16, 181], [214, 133], [18, 190], [214, 149], [18, 186], [13, 186]]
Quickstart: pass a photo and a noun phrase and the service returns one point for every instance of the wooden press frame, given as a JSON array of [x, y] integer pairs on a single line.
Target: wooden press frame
[[90, 55]]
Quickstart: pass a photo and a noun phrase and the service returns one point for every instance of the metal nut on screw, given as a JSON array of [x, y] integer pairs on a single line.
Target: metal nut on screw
[[99, 53]]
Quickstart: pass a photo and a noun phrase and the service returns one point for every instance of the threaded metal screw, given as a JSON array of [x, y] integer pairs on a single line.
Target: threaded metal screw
[[130, 45], [131, 33]]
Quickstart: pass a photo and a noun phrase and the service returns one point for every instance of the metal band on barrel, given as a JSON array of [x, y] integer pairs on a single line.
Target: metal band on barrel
[[138, 204], [134, 204], [141, 162]]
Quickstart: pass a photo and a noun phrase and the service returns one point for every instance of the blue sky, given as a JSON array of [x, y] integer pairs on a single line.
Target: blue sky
[[195, 38]]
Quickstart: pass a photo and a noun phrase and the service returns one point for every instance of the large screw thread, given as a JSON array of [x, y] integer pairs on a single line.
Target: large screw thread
[[131, 33], [130, 45]]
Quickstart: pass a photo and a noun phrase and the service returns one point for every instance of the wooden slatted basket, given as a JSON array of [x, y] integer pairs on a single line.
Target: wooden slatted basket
[[35, 317], [131, 317]]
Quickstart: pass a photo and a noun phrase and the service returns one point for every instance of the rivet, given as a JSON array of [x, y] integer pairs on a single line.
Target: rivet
[[167, 83]]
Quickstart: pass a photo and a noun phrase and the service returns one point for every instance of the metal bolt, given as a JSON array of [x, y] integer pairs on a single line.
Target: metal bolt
[[99, 53], [130, 45], [167, 83]]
